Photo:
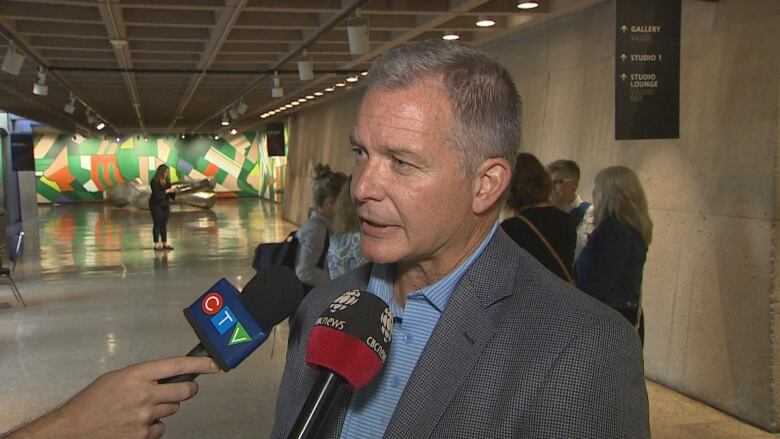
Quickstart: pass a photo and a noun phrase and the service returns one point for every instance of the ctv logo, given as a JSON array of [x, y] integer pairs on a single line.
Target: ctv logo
[[223, 318]]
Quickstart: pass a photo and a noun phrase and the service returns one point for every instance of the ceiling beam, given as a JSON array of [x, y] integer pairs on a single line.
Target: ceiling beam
[[227, 19], [117, 34], [311, 39], [7, 29]]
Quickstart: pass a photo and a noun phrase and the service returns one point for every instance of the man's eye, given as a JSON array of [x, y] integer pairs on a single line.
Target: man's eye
[[401, 164], [359, 153]]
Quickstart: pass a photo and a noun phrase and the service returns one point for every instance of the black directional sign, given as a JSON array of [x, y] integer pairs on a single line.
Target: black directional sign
[[647, 69]]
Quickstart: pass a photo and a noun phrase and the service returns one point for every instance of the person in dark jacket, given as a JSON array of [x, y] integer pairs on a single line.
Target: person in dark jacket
[[543, 230], [611, 264], [159, 206]]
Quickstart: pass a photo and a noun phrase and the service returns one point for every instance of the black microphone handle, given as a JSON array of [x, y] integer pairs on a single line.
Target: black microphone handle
[[316, 406], [197, 351]]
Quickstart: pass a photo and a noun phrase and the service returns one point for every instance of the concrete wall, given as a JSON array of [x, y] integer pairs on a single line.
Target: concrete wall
[[318, 135], [708, 292], [707, 280]]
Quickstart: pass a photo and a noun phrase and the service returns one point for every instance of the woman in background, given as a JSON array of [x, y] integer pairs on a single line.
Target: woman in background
[[159, 206], [611, 264], [344, 250], [543, 230], [310, 261]]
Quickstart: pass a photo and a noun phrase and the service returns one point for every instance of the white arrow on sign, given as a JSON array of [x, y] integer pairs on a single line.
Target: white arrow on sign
[[624, 28], [623, 57], [623, 76]]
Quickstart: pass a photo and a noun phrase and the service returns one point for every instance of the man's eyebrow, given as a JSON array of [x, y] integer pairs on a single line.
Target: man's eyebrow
[[392, 149], [354, 141]]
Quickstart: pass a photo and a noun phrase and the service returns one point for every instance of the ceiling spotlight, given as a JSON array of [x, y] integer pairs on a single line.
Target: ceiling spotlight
[[450, 36], [352, 79], [309, 97], [12, 63], [357, 34], [70, 106], [40, 88], [277, 91], [233, 132], [340, 84], [318, 93], [485, 22], [241, 107], [225, 122], [527, 4], [118, 139], [364, 73], [288, 106], [146, 137], [306, 67], [302, 100], [263, 116], [100, 125], [295, 103], [90, 117], [182, 136], [216, 136], [329, 89]]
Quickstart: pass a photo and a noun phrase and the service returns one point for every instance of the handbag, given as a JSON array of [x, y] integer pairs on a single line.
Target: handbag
[[276, 253], [550, 248]]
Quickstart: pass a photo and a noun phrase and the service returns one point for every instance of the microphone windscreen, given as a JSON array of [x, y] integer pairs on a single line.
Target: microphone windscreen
[[352, 338], [272, 295]]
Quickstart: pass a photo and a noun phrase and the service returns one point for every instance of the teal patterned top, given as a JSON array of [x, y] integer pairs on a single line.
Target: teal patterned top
[[344, 253]]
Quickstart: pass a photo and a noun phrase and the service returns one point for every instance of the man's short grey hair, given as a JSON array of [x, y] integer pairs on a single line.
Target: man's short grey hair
[[485, 104]]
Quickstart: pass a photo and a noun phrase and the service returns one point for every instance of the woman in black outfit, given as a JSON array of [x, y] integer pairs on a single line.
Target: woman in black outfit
[[159, 206], [545, 232]]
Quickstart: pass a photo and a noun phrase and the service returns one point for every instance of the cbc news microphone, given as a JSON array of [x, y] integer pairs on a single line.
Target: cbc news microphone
[[231, 326], [348, 344]]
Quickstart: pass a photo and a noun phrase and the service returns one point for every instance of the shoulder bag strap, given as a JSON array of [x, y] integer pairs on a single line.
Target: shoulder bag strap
[[549, 247]]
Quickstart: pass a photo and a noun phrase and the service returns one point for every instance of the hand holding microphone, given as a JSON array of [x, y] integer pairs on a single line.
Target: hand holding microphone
[[348, 344], [231, 326]]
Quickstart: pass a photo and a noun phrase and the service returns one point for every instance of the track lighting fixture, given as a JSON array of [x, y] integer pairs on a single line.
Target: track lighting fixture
[[91, 119], [233, 132], [306, 67], [485, 22], [277, 91], [12, 63], [40, 88], [450, 36], [70, 106], [225, 121], [100, 125], [357, 33]]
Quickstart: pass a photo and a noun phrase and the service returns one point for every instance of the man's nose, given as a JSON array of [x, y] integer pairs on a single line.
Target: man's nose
[[367, 184]]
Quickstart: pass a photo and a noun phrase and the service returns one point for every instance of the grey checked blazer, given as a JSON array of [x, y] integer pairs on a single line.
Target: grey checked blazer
[[517, 353]]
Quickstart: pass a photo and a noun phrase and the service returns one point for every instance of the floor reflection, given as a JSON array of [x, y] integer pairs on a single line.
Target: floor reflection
[[93, 239]]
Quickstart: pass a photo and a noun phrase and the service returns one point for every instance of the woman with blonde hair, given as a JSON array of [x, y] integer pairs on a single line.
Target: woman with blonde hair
[[313, 236], [344, 251], [611, 264]]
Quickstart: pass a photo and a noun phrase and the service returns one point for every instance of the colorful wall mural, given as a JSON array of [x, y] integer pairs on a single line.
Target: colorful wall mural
[[72, 168]]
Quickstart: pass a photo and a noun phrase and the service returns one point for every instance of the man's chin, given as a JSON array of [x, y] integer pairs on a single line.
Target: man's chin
[[378, 253]]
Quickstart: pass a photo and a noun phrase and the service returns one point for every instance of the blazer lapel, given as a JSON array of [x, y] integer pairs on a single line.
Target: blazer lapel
[[464, 329]]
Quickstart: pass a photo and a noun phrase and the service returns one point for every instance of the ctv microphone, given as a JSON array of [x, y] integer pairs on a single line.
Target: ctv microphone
[[349, 344], [231, 326]]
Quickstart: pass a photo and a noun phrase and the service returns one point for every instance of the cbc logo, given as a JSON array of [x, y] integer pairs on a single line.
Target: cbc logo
[[387, 325], [211, 303], [345, 300]]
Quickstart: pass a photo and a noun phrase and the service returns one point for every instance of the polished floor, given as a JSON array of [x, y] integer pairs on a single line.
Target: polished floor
[[100, 298]]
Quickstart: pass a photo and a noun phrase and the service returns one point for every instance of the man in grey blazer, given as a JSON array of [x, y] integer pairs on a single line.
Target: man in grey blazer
[[486, 342]]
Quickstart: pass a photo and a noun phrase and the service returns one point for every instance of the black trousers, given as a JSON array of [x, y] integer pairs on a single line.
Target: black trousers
[[160, 216]]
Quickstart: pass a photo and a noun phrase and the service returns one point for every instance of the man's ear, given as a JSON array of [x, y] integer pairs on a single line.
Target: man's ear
[[489, 183]]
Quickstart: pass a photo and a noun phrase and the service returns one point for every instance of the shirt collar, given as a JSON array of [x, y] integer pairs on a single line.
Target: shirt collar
[[438, 293]]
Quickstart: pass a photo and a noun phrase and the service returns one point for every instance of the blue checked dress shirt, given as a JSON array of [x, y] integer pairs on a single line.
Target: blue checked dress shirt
[[370, 410]]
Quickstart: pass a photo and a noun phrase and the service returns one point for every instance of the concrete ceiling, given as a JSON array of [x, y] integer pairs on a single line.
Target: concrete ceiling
[[156, 66]]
